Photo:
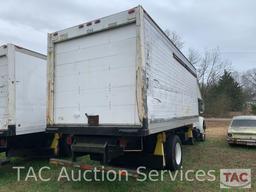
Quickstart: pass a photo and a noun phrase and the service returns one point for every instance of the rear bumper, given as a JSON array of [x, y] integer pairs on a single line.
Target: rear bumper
[[249, 142], [98, 130]]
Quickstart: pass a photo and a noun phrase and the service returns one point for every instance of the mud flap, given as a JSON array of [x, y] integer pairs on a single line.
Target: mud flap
[[55, 144], [159, 148]]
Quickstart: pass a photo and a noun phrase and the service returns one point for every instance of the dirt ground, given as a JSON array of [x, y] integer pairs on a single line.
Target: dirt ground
[[217, 127]]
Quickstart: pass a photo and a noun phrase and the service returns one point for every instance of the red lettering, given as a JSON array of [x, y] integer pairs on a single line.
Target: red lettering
[[227, 176], [234, 177], [243, 177]]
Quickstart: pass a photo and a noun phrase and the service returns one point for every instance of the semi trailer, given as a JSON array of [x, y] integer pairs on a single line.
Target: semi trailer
[[118, 85], [23, 94]]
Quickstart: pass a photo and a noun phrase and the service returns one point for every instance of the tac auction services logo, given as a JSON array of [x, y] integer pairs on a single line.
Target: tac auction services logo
[[235, 178]]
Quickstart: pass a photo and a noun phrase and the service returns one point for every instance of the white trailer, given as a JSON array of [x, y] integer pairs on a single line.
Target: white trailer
[[23, 94], [120, 79]]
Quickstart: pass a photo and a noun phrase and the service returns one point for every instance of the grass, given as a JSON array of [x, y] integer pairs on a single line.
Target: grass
[[213, 154]]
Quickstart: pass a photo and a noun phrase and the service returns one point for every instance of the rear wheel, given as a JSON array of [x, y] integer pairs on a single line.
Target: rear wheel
[[173, 152]]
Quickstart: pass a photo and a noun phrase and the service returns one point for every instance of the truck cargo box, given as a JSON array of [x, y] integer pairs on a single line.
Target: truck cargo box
[[23, 87], [123, 71]]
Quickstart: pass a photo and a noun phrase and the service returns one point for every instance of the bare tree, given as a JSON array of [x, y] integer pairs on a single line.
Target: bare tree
[[194, 56], [250, 77], [176, 38], [248, 80], [211, 67]]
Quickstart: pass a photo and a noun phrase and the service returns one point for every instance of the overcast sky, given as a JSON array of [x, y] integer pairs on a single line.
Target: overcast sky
[[203, 24]]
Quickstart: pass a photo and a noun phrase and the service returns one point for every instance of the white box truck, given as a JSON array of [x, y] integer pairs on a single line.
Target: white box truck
[[117, 85], [23, 94]]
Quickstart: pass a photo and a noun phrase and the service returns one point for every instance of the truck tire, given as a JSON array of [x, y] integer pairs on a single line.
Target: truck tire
[[173, 153]]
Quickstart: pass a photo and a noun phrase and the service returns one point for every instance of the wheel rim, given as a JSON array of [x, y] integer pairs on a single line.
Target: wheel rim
[[178, 153]]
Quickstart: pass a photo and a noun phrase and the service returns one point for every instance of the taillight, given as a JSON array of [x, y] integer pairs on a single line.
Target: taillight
[[3, 142], [122, 142], [69, 140]]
